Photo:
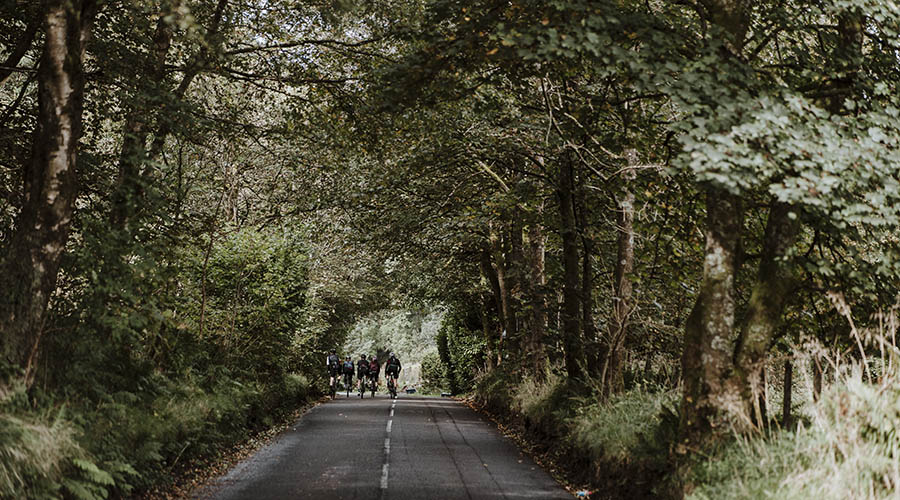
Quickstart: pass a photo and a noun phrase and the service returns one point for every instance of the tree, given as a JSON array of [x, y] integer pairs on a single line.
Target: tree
[[33, 255]]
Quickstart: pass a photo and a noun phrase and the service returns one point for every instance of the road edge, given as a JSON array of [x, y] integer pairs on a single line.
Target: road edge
[[547, 458], [196, 477]]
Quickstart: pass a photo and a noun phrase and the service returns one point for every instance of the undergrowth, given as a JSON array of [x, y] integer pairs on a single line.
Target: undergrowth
[[619, 444], [846, 445], [131, 441], [850, 449]]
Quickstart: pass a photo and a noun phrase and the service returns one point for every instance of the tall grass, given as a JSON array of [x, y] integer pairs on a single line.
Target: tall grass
[[33, 453], [626, 427], [849, 449], [847, 446]]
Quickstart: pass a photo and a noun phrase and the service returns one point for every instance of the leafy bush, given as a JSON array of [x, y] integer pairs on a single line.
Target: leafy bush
[[434, 373]]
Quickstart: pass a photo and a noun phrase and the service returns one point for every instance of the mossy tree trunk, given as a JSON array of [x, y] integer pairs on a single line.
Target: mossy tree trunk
[[706, 358], [775, 280]]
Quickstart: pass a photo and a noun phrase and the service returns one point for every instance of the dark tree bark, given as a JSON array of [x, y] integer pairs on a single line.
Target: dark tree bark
[[490, 274], [570, 318], [194, 67], [788, 390], [7, 68], [707, 354], [132, 159], [50, 184], [589, 331]]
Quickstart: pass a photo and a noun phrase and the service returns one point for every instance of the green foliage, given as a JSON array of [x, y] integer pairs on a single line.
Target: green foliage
[[462, 350], [434, 373]]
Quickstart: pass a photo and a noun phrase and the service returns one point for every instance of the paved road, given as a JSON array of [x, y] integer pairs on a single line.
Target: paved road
[[406, 449]]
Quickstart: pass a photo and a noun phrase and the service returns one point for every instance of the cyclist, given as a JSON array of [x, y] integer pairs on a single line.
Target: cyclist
[[374, 368], [333, 364], [392, 370], [347, 368], [362, 371]]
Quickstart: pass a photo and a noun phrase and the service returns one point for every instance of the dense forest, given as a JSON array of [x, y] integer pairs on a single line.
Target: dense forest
[[659, 238]]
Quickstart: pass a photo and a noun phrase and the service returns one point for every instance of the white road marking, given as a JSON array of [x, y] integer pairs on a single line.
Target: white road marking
[[387, 452]]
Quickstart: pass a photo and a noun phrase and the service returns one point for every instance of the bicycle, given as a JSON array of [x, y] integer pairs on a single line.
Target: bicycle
[[373, 385], [392, 387], [348, 382], [332, 387], [362, 387]]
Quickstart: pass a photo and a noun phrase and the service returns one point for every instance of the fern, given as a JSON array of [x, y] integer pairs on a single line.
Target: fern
[[93, 473]]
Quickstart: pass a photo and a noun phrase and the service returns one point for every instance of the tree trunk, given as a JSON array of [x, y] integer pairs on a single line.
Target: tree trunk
[[788, 389], [817, 380], [193, 67], [515, 275], [614, 368], [129, 183], [592, 347], [50, 183], [537, 302], [570, 328], [706, 357], [490, 274], [498, 264], [775, 280]]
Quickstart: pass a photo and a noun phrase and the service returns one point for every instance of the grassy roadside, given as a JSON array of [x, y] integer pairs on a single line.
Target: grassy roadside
[[137, 444], [844, 446], [615, 450], [193, 477]]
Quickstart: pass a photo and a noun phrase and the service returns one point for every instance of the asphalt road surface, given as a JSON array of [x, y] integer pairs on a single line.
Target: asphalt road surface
[[404, 449]]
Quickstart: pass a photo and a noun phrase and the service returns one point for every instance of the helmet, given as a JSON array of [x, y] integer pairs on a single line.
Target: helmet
[[363, 356], [348, 357], [393, 355], [333, 351]]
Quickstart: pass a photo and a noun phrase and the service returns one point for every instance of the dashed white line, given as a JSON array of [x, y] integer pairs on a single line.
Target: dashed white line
[[384, 476], [387, 450]]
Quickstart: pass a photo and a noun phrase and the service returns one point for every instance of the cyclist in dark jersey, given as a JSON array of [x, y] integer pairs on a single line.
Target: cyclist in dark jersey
[[392, 369], [333, 364], [374, 368], [347, 369], [362, 371]]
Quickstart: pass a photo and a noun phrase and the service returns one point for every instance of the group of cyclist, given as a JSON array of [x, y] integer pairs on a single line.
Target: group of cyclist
[[367, 370]]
